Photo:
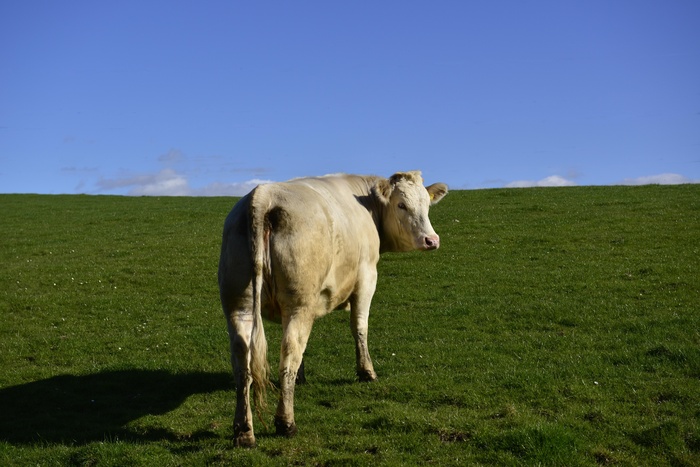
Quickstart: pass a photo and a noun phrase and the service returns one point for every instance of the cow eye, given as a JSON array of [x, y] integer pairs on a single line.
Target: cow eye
[[402, 206]]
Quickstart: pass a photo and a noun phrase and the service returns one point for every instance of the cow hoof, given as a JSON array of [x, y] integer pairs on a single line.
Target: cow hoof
[[244, 437], [367, 376], [245, 443], [285, 429]]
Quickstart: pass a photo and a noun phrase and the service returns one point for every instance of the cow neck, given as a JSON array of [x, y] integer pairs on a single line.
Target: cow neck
[[386, 242], [377, 209]]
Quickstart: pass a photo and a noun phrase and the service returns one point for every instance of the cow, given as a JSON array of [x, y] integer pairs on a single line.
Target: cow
[[292, 252]]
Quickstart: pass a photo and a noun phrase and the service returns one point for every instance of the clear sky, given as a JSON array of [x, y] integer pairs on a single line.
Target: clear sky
[[211, 97]]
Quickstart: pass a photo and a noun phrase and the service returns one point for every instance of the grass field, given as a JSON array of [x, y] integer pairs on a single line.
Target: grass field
[[554, 327]]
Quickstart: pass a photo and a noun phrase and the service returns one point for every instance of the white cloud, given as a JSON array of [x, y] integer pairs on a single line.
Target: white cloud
[[227, 189], [172, 156], [554, 180], [168, 182], [661, 179]]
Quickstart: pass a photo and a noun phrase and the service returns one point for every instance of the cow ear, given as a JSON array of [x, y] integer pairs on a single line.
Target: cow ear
[[437, 191], [382, 190]]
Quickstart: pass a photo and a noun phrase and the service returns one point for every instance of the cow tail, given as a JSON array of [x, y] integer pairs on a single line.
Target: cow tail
[[259, 366]]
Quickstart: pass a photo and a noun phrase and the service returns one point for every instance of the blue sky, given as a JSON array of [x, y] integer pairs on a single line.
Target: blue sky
[[210, 97]]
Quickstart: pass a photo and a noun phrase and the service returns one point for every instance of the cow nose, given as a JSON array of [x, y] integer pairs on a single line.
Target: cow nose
[[431, 242]]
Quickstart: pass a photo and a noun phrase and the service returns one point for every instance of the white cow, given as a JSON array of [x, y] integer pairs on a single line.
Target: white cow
[[294, 251]]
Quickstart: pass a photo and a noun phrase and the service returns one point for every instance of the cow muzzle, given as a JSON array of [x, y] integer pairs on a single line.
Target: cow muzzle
[[431, 242]]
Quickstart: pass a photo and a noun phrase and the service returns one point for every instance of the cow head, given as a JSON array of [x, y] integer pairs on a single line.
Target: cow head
[[405, 202]]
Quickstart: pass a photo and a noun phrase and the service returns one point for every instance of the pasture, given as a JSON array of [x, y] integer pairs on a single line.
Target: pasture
[[556, 326]]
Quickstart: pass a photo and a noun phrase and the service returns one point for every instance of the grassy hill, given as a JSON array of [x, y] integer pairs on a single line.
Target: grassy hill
[[554, 326]]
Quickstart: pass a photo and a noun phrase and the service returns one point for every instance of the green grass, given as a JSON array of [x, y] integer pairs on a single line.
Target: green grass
[[553, 327]]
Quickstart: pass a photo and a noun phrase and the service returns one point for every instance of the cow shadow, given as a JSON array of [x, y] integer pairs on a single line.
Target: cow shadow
[[82, 409]]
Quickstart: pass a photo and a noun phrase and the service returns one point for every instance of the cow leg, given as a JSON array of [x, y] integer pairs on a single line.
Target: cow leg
[[301, 377], [359, 324], [240, 328], [295, 336]]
